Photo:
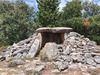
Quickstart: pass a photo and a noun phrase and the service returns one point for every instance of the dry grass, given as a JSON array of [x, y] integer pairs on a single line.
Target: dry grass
[[3, 48], [94, 72]]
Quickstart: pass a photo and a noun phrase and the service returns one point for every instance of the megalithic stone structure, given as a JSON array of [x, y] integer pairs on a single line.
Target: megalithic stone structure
[[53, 34]]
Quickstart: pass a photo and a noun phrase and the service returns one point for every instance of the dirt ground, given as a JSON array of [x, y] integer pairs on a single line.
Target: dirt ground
[[20, 70]]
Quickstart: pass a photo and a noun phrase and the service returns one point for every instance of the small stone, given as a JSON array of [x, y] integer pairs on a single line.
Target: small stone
[[14, 45], [24, 55], [73, 34], [2, 58], [73, 38], [87, 39], [61, 65], [98, 66], [87, 55], [55, 71], [15, 63], [83, 67], [66, 58], [67, 50], [74, 66], [83, 43], [21, 43], [90, 61], [18, 56], [74, 58], [80, 58], [73, 49], [19, 51], [29, 71], [39, 68], [97, 59], [91, 67], [91, 43], [59, 46]]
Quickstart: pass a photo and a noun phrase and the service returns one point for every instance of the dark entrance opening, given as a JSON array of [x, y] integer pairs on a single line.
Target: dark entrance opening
[[52, 37]]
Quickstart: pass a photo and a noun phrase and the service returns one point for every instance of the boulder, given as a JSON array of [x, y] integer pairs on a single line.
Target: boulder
[[34, 50], [50, 50]]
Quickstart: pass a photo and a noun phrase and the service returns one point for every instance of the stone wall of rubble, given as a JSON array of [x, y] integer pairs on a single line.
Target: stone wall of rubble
[[76, 49], [27, 48]]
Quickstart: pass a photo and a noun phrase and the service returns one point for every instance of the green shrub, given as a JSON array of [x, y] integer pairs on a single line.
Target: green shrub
[[95, 38], [77, 24], [93, 31], [16, 21]]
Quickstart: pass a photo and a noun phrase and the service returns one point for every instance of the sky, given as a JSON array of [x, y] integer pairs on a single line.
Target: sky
[[62, 4]]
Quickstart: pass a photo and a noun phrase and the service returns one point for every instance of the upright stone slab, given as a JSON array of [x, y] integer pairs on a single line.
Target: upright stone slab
[[53, 34], [35, 48]]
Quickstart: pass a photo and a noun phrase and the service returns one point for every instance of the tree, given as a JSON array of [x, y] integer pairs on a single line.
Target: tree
[[17, 21], [48, 12], [5, 6], [91, 8], [72, 9]]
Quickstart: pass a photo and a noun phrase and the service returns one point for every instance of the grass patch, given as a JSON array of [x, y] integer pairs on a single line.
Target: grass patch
[[3, 48]]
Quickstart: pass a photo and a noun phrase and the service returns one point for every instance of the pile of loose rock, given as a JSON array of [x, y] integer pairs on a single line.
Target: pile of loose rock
[[24, 49], [76, 49]]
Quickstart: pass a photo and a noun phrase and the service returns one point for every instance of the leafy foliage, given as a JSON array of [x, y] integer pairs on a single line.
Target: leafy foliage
[[48, 12], [91, 8], [77, 23], [17, 21], [72, 9], [94, 29]]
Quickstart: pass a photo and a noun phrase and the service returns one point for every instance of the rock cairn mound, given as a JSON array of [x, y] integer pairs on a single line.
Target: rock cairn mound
[[79, 50], [76, 49], [24, 49]]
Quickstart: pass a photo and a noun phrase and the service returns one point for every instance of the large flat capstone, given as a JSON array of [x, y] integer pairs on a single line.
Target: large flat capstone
[[55, 30]]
